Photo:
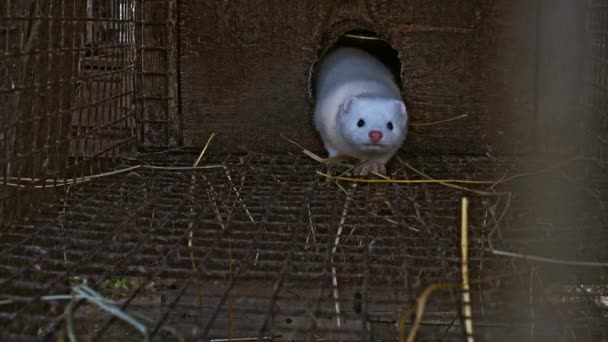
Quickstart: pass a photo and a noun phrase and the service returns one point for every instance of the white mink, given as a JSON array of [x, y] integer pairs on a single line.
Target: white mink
[[359, 111]]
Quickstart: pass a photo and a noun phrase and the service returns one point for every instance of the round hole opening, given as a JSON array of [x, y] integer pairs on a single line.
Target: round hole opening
[[372, 43]]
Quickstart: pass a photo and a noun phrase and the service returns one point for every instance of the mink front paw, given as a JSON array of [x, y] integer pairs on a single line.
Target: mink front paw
[[370, 166]]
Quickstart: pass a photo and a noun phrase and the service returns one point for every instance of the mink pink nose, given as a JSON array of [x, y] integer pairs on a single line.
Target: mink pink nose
[[375, 136]]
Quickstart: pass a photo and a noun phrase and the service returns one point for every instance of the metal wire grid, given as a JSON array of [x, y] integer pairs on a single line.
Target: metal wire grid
[[69, 69], [73, 75], [263, 257], [595, 92], [157, 55], [137, 226]]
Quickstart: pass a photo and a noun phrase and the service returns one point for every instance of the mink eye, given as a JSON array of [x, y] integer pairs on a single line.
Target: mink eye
[[389, 125], [361, 123]]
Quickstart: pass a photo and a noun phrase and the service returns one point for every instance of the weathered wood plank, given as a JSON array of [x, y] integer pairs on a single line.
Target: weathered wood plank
[[246, 66]]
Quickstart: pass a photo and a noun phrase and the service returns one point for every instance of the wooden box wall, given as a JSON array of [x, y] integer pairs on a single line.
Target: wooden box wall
[[245, 69]]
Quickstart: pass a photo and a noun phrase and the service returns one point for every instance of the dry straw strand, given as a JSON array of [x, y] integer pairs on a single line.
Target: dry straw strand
[[191, 224], [548, 260], [56, 183], [418, 308], [464, 247], [333, 252], [420, 124], [404, 181]]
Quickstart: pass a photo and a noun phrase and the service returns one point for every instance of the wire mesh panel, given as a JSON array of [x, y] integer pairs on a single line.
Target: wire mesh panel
[[253, 247], [66, 91], [104, 103], [157, 54], [259, 246]]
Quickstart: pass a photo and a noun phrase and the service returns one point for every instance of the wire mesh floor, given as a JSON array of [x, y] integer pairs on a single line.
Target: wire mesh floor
[[254, 248]]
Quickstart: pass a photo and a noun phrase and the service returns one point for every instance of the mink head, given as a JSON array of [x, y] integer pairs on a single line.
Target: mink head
[[373, 124]]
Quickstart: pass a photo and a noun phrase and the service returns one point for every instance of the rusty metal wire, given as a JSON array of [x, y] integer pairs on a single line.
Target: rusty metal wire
[[262, 244], [78, 81], [67, 88]]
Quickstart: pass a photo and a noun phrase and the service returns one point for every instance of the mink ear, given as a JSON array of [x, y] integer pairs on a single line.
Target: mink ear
[[400, 108], [347, 105]]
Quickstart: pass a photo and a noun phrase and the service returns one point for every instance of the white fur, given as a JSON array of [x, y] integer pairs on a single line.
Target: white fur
[[352, 76]]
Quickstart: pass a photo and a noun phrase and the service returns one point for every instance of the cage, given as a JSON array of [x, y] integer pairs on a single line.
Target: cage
[[161, 179]]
